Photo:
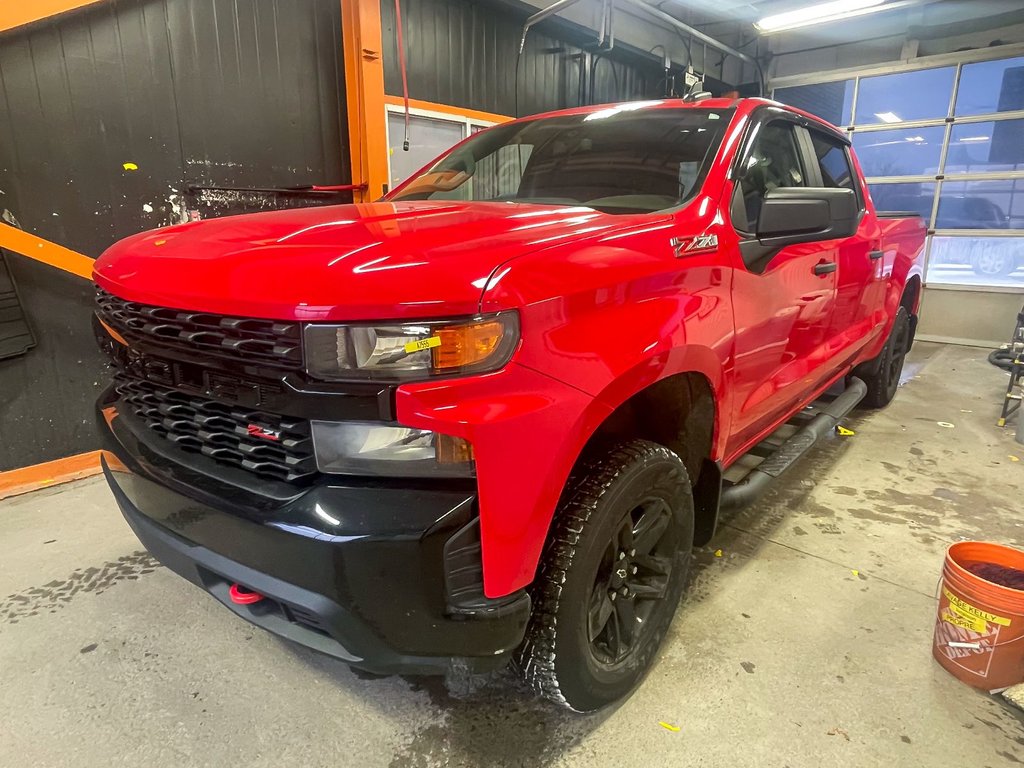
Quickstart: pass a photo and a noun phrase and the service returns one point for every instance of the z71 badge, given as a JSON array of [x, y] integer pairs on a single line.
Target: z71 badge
[[688, 246], [256, 430]]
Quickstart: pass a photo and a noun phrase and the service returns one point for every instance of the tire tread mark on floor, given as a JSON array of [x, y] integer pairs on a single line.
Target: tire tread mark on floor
[[54, 595]]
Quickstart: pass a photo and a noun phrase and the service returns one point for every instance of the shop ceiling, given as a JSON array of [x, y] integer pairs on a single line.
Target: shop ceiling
[[732, 22]]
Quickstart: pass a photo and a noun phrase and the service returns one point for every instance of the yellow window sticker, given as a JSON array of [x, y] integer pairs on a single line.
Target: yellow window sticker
[[420, 345]]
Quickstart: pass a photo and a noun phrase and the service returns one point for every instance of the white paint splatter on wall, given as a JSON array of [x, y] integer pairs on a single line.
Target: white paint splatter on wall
[[179, 214]]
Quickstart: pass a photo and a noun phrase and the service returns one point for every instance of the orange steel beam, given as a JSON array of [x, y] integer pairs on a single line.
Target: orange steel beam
[[364, 94], [27, 244], [447, 109], [14, 13]]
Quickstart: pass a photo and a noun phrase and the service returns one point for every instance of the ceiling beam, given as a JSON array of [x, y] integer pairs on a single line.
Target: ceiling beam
[[17, 14]]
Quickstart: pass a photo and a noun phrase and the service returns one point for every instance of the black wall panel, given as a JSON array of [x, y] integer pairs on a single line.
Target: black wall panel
[[463, 53], [207, 92]]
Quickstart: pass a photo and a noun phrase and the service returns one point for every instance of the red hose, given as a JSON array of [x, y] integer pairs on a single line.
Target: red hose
[[401, 66]]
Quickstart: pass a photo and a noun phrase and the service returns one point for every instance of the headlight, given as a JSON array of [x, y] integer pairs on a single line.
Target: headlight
[[412, 350], [362, 448]]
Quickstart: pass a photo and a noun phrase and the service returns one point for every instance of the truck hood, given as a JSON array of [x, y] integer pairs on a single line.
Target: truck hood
[[352, 262]]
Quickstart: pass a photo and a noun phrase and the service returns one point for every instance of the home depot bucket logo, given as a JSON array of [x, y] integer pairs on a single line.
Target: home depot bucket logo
[[968, 635]]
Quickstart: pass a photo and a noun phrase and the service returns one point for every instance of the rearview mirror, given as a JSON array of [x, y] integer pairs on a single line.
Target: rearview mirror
[[792, 215]]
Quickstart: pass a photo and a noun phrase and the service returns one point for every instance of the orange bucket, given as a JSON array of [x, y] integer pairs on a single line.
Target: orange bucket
[[979, 631]]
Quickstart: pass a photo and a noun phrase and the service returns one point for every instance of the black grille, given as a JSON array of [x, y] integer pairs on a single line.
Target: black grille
[[223, 432], [266, 342]]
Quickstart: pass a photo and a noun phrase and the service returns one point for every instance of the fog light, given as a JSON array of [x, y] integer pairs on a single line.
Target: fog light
[[380, 450]]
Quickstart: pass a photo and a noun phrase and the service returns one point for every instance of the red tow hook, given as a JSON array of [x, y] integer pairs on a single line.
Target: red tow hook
[[242, 596]]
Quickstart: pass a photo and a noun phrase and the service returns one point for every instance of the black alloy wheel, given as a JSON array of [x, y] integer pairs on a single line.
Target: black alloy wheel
[[633, 575], [611, 577]]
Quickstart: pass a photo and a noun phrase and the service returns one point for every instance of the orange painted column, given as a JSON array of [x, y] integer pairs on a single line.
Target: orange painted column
[[364, 92]]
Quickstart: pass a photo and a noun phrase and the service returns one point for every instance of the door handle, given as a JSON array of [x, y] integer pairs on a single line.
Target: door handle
[[876, 255], [824, 267]]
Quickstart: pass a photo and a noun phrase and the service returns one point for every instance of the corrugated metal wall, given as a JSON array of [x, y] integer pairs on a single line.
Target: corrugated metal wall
[[191, 91], [463, 53], [214, 92]]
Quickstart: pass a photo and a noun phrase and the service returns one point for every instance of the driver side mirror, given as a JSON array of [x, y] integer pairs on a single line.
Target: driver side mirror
[[791, 215]]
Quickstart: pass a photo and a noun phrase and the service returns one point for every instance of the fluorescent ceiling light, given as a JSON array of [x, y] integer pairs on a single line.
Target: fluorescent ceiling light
[[825, 12], [888, 117], [975, 138], [913, 138]]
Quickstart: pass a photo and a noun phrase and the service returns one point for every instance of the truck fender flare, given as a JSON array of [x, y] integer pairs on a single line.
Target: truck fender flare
[[689, 359]]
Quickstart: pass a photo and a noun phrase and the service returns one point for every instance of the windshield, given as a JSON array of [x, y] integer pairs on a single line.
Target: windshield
[[624, 159]]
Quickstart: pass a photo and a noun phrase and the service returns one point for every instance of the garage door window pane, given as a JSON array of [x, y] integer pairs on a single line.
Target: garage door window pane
[[991, 86], [905, 96], [428, 138], [904, 152], [913, 197], [981, 205], [830, 101], [985, 261], [992, 146]]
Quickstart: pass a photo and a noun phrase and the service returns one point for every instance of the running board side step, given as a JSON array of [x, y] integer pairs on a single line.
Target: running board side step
[[761, 477]]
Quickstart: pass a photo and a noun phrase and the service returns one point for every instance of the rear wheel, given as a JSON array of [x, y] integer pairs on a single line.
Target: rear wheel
[[611, 577], [882, 384], [993, 261]]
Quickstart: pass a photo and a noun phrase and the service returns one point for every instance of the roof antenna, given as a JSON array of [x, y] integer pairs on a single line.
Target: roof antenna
[[697, 92]]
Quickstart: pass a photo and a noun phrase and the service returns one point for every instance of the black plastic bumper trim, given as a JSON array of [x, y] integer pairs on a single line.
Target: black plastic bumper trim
[[352, 568]]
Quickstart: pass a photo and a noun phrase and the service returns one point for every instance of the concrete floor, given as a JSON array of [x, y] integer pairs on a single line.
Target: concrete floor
[[806, 643]]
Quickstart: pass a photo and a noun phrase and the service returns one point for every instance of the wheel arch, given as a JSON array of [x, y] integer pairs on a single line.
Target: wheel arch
[[674, 400], [911, 301], [680, 412], [911, 298]]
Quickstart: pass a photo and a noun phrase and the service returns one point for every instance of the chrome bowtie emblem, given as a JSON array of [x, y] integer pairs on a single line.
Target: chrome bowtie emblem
[[688, 246]]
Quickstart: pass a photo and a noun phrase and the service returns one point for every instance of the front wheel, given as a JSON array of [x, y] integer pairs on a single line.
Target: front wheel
[[611, 577]]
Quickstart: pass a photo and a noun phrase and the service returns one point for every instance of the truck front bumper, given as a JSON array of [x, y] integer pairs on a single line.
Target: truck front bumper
[[384, 577]]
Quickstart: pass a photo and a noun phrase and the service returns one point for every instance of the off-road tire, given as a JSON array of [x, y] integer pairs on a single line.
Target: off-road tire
[[883, 383], [557, 658]]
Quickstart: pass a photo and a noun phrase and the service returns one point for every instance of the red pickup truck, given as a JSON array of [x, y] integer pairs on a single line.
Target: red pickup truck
[[487, 417]]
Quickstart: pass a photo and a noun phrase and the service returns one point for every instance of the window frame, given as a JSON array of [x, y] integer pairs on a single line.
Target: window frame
[[802, 126], [943, 175], [846, 149], [748, 149], [711, 156], [466, 121], [956, 67]]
